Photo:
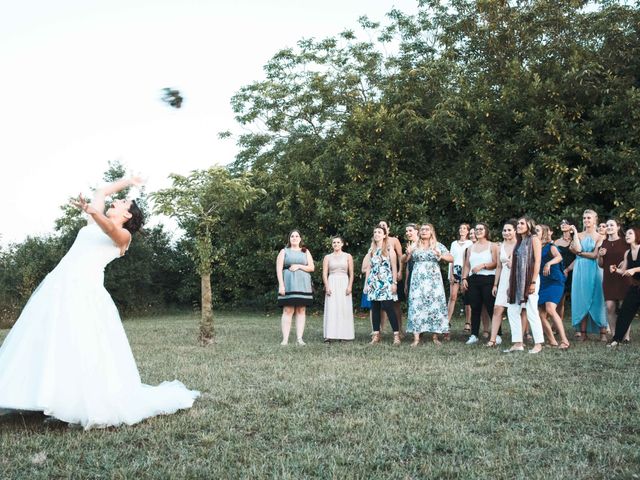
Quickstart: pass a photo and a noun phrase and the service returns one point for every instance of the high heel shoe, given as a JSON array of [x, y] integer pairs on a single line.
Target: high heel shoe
[[396, 338], [375, 339]]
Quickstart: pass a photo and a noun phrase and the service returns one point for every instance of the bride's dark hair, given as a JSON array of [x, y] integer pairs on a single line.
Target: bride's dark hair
[[137, 218]]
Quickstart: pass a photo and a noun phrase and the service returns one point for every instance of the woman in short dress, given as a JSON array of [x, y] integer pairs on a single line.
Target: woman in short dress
[[501, 282], [337, 276], [588, 314], [552, 282], [563, 245], [293, 268], [427, 299], [381, 284], [614, 286]]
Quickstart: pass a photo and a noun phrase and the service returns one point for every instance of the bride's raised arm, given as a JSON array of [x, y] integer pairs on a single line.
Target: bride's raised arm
[[101, 193], [120, 236]]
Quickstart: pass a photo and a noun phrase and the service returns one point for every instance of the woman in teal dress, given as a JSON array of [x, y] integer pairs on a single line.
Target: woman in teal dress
[[588, 313], [294, 266], [427, 300]]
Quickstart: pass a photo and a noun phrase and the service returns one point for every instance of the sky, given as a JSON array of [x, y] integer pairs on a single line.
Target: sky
[[81, 82]]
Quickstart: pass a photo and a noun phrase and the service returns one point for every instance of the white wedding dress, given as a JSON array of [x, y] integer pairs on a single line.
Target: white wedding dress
[[68, 355]]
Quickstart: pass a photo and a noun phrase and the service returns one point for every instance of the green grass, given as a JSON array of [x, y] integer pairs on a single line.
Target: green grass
[[349, 410]]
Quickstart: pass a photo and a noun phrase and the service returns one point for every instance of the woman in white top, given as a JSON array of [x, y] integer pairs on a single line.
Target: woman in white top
[[478, 276], [458, 247], [501, 282]]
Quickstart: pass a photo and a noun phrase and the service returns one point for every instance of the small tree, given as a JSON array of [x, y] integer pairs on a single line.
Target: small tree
[[199, 203]]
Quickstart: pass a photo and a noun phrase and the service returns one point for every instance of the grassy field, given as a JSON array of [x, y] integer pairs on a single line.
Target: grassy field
[[349, 410]]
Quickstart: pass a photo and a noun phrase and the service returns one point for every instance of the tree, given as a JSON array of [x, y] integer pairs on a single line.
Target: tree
[[199, 202]]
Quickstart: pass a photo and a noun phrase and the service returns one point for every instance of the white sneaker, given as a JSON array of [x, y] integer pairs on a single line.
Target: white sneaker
[[300, 342], [472, 339], [498, 340]]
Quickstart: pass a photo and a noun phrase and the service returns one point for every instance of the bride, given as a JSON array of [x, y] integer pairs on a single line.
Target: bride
[[68, 355]]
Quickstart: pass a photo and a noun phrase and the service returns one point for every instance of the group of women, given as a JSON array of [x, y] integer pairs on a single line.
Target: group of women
[[528, 275]]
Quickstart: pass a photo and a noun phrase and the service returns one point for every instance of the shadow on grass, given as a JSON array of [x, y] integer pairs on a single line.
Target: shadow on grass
[[36, 422]]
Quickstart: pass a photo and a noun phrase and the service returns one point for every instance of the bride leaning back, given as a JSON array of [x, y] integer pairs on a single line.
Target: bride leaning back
[[67, 354]]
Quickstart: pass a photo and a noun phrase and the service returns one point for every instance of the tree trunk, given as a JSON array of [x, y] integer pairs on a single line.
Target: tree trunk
[[206, 319]]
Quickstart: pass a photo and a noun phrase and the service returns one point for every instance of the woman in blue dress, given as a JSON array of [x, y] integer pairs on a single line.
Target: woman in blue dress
[[588, 313], [552, 283], [427, 300]]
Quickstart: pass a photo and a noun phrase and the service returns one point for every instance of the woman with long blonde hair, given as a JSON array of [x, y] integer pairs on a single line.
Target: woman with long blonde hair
[[588, 313], [427, 299]]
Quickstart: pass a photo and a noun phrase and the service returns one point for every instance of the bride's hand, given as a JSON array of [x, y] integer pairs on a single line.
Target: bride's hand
[[83, 205], [136, 181]]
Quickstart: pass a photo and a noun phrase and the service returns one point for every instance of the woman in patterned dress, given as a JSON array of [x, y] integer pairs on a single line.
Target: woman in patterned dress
[[381, 285], [427, 301]]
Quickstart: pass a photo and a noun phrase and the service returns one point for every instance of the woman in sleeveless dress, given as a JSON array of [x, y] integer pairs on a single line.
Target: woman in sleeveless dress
[[614, 286], [427, 299], [381, 284], [478, 276], [588, 314], [337, 275], [501, 282], [68, 355], [630, 270], [524, 286], [552, 283], [563, 245], [294, 265]]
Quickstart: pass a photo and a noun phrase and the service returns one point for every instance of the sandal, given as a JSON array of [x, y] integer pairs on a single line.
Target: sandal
[[486, 334], [467, 327], [490, 344], [564, 346], [436, 340], [604, 338]]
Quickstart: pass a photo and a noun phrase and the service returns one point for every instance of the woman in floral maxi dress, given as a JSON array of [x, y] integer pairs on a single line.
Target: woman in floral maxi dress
[[427, 301]]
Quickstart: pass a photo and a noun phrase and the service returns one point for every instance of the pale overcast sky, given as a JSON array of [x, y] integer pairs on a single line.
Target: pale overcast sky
[[81, 82]]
